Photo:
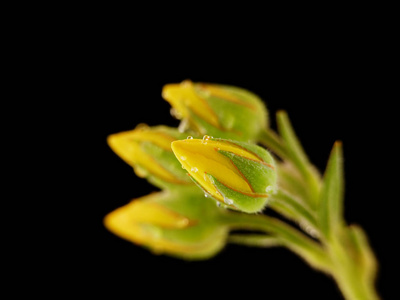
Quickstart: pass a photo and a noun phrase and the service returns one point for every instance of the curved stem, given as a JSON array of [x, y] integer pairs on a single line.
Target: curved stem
[[290, 237], [254, 240]]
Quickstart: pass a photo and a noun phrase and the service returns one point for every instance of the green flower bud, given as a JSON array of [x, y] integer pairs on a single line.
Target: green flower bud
[[240, 175], [185, 226], [148, 151], [218, 110]]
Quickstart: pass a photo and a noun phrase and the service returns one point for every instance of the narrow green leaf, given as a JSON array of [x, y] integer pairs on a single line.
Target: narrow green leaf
[[286, 203], [332, 193], [273, 142], [293, 145], [291, 181], [298, 157]]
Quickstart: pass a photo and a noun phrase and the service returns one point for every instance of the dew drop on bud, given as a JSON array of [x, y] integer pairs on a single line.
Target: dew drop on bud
[[269, 189], [228, 201], [205, 139], [183, 157], [189, 138], [194, 169], [205, 195], [218, 204]]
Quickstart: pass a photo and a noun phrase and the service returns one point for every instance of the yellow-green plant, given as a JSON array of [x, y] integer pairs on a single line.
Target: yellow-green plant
[[218, 146]]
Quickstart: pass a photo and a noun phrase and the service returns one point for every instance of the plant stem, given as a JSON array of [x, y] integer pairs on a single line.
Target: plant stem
[[254, 240], [343, 251], [336, 257], [296, 157], [289, 236]]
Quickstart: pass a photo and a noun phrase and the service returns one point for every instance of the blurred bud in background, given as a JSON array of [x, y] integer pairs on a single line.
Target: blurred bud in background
[[148, 151], [239, 175], [182, 225], [218, 110]]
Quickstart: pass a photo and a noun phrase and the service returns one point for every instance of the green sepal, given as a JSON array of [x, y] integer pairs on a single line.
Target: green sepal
[[238, 121], [168, 161], [206, 215], [262, 178], [261, 152], [237, 200]]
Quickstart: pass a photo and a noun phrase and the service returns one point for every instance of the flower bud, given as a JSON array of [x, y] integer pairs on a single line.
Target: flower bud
[[217, 110], [184, 226], [148, 151], [240, 175]]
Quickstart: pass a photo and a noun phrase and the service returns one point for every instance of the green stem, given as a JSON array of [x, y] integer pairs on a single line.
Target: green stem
[[348, 260], [254, 240], [351, 266], [344, 253], [290, 237]]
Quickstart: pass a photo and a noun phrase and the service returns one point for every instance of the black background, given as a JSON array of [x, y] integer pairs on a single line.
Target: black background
[[334, 87]]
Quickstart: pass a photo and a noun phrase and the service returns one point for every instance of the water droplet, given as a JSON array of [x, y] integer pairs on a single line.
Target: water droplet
[[269, 189], [183, 157], [206, 195], [189, 138], [218, 204], [183, 167], [228, 201], [194, 169], [205, 139]]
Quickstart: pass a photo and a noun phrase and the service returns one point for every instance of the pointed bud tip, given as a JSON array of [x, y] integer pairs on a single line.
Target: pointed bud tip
[[176, 146], [338, 143], [113, 140], [171, 91]]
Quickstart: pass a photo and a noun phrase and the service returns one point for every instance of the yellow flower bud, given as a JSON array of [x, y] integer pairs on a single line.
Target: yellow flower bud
[[148, 151], [218, 110], [237, 174], [185, 226]]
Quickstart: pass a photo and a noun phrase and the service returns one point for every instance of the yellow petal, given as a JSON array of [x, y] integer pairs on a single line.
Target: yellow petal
[[201, 157], [184, 99], [127, 146], [142, 221]]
